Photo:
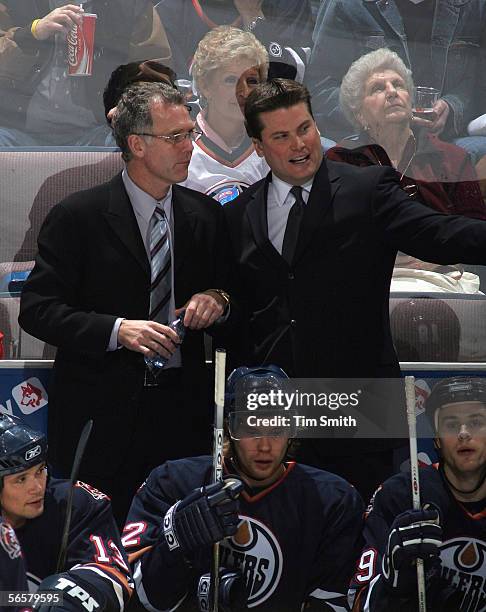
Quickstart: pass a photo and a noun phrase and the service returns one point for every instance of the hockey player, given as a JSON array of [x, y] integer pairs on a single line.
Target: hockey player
[[95, 575], [449, 532], [289, 542]]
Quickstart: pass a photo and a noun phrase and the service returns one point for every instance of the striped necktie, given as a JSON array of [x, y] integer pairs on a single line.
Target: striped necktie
[[160, 267]]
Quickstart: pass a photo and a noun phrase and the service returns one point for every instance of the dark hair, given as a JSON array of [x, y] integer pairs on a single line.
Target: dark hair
[[134, 110], [270, 96], [135, 72]]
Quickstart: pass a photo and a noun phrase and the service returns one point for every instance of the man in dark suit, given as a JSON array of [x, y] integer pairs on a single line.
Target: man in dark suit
[[90, 295], [313, 290]]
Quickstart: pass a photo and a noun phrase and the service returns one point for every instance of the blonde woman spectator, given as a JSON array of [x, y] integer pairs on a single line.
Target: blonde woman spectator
[[228, 64]]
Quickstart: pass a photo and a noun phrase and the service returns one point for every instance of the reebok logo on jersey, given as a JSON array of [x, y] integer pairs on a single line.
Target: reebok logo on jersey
[[256, 553], [30, 395], [464, 568]]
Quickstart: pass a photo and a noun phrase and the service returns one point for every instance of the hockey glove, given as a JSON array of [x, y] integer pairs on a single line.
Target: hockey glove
[[414, 534], [206, 516], [78, 595], [232, 591]]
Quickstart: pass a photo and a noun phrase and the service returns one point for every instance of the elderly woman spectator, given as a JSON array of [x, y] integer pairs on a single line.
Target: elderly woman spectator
[[376, 96], [228, 64]]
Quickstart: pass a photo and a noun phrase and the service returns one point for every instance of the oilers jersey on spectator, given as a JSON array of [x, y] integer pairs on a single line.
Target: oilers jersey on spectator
[[461, 578], [94, 547], [297, 541], [220, 174], [12, 568]]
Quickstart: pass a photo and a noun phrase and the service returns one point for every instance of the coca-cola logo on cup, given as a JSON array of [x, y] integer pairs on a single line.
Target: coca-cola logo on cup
[[72, 41]]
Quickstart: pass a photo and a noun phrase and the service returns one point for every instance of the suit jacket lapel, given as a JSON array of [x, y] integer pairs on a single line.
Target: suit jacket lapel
[[185, 221], [324, 188], [257, 217], [121, 219]]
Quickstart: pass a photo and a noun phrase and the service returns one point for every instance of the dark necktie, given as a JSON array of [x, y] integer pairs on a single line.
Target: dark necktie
[[293, 225], [160, 267]]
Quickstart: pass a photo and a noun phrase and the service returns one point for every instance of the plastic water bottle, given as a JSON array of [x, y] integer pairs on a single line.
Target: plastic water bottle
[[157, 363]]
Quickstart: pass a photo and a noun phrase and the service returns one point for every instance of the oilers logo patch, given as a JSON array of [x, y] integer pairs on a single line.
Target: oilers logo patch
[[464, 568], [227, 191], [9, 542], [255, 552]]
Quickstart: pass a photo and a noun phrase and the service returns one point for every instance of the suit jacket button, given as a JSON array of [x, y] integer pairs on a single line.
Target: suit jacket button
[[293, 322], [291, 276]]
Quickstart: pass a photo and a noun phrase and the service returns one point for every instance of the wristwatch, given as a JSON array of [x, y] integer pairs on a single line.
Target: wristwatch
[[223, 294]]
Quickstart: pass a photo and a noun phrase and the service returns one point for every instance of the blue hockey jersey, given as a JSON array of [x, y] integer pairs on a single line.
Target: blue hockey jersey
[[297, 540], [94, 547], [460, 582]]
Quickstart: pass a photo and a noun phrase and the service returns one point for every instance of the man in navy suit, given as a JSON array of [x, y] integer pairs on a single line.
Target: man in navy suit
[[89, 295]]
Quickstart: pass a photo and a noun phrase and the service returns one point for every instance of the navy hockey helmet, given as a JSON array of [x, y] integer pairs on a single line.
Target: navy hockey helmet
[[454, 391], [245, 384], [21, 447]]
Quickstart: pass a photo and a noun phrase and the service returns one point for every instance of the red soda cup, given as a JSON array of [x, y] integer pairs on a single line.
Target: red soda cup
[[80, 46]]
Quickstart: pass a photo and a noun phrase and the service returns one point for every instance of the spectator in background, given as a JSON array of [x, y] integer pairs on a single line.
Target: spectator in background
[[40, 104], [120, 79], [285, 28], [135, 72], [442, 42], [228, 64], [376, 97]]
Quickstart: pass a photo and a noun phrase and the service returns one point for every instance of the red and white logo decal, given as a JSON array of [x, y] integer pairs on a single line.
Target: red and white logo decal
[[9, 542], [98, 495], [30, 395]]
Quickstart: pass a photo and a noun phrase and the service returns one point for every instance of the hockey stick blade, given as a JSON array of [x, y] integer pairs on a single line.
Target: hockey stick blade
[[78, 456]]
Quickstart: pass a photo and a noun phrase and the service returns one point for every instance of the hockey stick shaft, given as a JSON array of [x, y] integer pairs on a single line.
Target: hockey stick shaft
[[219, 388], [78, 456], [412, 434]]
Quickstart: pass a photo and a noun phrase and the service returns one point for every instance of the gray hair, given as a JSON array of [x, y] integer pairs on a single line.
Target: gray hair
[[133, 112], [353, 84], [223, 45]]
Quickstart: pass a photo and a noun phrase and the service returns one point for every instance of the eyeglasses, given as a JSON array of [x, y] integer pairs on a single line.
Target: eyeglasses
[[174, 138]]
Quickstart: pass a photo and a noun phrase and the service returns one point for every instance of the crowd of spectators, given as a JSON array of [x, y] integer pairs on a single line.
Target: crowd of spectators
[[316, 42], [362, 62]]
